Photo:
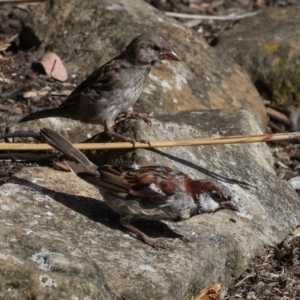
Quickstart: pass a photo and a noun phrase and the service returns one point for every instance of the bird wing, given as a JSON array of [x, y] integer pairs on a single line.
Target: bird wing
[[104, 79], [150, 185]]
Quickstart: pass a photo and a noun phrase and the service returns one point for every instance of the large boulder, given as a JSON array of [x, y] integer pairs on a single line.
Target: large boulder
[[58, 226], [44, 263], [268, 47]]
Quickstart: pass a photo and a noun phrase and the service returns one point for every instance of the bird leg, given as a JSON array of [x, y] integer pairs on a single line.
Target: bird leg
[[133, 115], [125, 222], [168, 231], [110, 132]]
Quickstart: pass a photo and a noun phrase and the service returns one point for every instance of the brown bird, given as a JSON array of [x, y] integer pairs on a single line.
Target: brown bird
[[151, 192], [114, 88]]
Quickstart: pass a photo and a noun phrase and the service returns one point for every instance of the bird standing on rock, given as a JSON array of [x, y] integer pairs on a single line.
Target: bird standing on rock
[[151, 192], [114, 88]]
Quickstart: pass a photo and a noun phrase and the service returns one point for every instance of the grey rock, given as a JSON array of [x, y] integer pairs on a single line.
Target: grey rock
[[268, 47], [65, 219], [42, 264], [75, 131]]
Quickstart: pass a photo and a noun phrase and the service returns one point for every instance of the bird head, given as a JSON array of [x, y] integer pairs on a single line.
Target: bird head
[[212, 196], [149, 48]]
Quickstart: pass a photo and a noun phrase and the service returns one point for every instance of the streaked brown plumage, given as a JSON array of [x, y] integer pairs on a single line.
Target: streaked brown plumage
[[151, 192], [114, 88]]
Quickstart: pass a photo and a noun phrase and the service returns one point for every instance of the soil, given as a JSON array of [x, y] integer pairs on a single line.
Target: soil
[[272, 274]]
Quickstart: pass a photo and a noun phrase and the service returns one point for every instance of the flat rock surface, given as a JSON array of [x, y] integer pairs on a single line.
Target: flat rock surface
[[74, 131], [60, 209], [38, 260]]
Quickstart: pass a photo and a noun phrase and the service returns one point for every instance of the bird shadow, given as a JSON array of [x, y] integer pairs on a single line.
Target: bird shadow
[[93, 209]]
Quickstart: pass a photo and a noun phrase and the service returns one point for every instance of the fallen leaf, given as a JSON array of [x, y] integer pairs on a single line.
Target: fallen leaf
[[62, 166], [28, 6], [30, 94], [53, 66], [210, 293], [37, 95]]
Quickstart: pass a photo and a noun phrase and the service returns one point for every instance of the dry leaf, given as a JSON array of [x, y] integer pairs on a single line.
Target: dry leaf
[[30, 94], [210, 293], [37, 95], [53, 66], [62, 166], [29, 5]]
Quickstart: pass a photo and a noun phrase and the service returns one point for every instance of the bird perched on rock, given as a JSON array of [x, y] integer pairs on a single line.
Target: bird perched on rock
[[151, 192], [114, 88]]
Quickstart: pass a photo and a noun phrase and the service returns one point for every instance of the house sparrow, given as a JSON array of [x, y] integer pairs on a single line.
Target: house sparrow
[[151, 192], [114, 88]]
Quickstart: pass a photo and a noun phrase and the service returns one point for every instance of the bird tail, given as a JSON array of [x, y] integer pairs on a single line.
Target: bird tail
[[52, 112], [58, 142]]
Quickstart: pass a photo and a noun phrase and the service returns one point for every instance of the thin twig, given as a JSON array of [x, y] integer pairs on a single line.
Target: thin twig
[[205, 17], [275, 126], [244, 279], [176, 143], [279, 116]]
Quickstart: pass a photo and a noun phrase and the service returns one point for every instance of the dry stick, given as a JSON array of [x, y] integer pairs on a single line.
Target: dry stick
[[176, 143], [275, 126], [205, 17], [279, 116]]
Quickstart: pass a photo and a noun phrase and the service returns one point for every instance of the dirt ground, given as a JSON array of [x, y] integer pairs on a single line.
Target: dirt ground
[[273, 274]]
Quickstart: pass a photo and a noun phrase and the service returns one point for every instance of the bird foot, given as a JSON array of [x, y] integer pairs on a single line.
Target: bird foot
[[151, 242], [136, 233], [130, 114], [123, 138]]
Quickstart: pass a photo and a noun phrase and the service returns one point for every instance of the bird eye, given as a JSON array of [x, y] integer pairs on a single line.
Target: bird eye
[[155, 48], [217, 196]]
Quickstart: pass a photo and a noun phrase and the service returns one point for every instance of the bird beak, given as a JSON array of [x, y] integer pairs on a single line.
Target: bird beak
[[229, 205], [170, 55]]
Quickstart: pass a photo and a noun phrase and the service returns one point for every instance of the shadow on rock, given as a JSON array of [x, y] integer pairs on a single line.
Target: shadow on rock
[[95, 210]]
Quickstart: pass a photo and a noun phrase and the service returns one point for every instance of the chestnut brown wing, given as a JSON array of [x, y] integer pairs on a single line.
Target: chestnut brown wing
[[150, 185]]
